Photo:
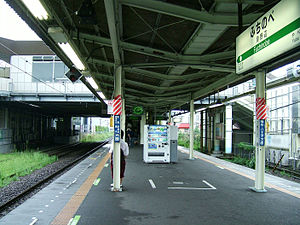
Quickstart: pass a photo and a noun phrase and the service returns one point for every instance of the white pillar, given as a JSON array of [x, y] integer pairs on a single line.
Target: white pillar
[[191, 130], [169, 119], [142, 124], [123, 119], [116, 151], [228, 129], [260, 150]]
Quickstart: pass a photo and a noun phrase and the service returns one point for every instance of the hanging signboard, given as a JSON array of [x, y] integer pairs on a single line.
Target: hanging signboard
[[138, 110], [110, 107], [273, 34]]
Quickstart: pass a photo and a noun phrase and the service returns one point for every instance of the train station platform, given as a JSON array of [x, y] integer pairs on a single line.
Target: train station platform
[[206, 190]]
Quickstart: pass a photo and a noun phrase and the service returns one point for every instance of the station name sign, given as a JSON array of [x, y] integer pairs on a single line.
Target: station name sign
[[273, 34]]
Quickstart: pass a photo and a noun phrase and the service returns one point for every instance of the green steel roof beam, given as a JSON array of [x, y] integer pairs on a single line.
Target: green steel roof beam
[[154, 52], [190, 14]]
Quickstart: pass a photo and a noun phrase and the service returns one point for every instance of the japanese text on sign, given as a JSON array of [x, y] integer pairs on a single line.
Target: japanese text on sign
[[262, 133], [260, 28], [117, 128]]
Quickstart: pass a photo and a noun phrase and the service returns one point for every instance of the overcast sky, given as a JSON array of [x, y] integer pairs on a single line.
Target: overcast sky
[[12, 26]]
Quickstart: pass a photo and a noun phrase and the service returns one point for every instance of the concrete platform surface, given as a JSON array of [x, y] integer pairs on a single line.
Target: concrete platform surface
[[206, 190]]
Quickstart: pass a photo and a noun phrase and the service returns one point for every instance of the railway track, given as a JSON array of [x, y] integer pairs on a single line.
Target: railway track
[[27, 191]]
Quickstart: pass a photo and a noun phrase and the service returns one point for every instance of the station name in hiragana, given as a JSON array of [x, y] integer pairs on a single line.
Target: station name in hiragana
[[259, 29]]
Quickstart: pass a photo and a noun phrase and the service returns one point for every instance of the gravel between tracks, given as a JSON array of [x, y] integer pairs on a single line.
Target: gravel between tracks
[[16, 187]]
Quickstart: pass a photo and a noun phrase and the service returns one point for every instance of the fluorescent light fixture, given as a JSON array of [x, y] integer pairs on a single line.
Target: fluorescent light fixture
[[37, 9], [202, 109], [101, 95], [92, 82], [68, 50], [215, 105]]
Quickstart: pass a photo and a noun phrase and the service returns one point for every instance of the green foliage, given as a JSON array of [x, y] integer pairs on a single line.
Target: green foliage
[[96, 137], [243, 161], [100, 129], [18, 164], [184, 140], [246, 146], [285, 174]]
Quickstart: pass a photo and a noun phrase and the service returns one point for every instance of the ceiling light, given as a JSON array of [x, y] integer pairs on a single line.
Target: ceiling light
[[68, 50], [37, 9], [92, 82], [101, 95]]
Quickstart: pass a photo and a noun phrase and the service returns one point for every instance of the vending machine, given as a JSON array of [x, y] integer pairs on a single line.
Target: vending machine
[[159, 144]]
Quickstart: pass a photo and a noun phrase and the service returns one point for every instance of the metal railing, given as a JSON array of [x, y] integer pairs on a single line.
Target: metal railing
[[6, 85]]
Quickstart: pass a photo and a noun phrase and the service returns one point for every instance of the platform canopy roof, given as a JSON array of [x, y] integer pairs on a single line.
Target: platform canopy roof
[[171, 51]]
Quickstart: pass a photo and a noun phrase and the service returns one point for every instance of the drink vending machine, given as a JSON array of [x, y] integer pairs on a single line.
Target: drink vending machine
[[160, 144]]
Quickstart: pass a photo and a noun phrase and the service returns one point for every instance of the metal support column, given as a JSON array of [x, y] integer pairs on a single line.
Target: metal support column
[[228, 129], [117, 150], [209, 131], [169, 119], [123, 117], [260, 133], [6, 118], [192, 114], [206, 131], [201, 130], [142, 125]]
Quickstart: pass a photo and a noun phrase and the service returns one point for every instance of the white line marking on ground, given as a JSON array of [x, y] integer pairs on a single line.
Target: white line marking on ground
[[70, 221], [34, 220], [220, 167], [188, 188], [177, 182], [209, 184], [152, 184], [194, 188]]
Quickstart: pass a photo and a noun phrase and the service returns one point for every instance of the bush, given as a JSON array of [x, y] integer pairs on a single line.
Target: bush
[[184, 140], [246, 146], [242, 161], [18, 164], [96, 137]]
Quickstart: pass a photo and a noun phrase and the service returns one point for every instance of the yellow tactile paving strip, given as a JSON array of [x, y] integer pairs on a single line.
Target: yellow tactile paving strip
[[250, 177], [72, 206]]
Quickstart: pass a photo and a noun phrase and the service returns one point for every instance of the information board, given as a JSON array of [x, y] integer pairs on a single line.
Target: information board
[[117, 128], [261, 132]]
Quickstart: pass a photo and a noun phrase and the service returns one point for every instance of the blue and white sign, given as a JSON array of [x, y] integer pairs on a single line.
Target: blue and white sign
[[261, 132], [117, 128]]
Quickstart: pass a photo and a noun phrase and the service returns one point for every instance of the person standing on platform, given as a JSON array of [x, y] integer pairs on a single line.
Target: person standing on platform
[[124, 153], [130, 137]]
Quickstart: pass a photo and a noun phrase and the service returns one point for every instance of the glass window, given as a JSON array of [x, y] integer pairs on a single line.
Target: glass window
[[59, 70], [42, 70]]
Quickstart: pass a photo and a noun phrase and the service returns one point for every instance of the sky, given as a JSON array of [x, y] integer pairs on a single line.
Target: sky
[[12, 26]]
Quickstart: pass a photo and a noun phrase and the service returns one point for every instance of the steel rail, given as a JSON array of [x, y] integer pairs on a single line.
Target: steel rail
[[38, 184]]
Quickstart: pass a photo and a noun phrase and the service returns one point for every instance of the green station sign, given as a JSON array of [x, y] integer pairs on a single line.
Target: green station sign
[[273, 34], [138, 110]]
